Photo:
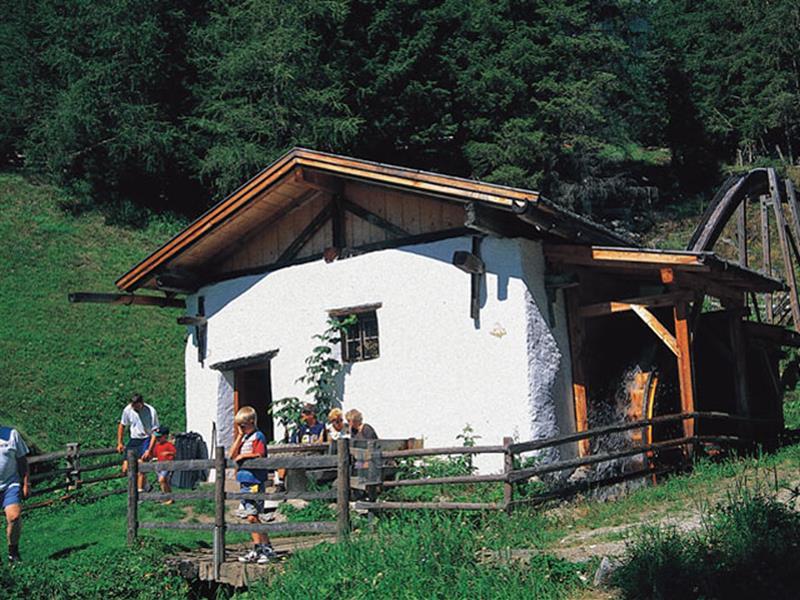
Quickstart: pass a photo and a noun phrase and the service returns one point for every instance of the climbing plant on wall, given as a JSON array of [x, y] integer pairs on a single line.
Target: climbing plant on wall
[[323, 369]]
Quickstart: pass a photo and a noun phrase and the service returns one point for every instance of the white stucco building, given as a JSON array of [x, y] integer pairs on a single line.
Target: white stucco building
[[462, 319]]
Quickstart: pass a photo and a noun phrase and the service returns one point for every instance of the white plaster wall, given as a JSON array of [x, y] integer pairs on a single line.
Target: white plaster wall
[[438, 369]]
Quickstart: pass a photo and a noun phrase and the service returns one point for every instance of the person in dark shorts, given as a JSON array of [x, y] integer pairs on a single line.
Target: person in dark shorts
[[251, 443], [141, 419], [14, 486]]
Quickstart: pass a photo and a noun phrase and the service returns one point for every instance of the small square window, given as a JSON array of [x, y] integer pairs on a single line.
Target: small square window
[[360, 340]]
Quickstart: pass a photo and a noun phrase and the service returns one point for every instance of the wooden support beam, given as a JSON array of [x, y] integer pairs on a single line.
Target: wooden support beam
[[708, 287], [496, 222], [685, 374], [319, 181], [338, 223], [741, 232], [614, 306], [766, 259], [794, 209], [619, 257], [313, 227], [783, 239], [655, 325], [740, 364], [125, 299], [234, 246], [579, 391], [377, 220]]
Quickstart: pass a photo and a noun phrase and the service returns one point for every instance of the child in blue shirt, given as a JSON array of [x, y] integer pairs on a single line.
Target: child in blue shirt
[[251, 443]]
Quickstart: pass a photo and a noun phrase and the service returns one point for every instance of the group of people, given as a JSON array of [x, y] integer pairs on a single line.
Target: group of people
[[312, 431], [148, 440], [252, 443]]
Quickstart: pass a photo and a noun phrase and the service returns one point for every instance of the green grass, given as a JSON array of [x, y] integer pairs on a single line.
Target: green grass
[[745, 549], [67, 370]]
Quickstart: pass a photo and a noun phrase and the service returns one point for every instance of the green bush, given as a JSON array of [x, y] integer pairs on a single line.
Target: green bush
[[746, 549]]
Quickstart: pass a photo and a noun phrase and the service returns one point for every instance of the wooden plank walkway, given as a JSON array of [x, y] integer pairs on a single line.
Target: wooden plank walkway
[[199, 564]]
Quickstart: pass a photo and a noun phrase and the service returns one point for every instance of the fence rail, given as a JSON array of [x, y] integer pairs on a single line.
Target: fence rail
[[284, 457], [67, 470], [372, 467]]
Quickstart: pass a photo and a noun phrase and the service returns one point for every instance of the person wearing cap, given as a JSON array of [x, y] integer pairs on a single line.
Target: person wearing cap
[[164, 450], [141, 419], [15, 485], [310, 431], [336, 428]]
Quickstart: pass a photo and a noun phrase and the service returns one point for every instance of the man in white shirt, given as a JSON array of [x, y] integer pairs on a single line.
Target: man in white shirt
[[142, 421], [14, 485]]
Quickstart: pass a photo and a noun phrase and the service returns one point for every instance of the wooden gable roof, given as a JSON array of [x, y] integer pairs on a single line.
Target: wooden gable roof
[[302, 178]]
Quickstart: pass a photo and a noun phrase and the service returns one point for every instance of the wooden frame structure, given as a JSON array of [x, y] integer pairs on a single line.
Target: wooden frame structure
[[682, 278], [762, 186]]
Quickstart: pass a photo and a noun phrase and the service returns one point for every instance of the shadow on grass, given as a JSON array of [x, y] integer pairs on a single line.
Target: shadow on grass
[[64, 552]]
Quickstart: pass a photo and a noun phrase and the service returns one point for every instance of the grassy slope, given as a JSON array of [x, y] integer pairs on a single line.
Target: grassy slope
[[67, 370]]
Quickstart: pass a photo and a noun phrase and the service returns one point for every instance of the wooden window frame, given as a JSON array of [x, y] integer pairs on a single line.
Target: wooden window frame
[[361, 339]]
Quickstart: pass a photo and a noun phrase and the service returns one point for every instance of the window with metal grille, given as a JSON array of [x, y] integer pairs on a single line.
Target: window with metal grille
[[360, 340]]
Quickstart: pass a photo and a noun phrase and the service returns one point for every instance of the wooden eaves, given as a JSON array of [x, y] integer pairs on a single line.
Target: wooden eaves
[[302, 169]]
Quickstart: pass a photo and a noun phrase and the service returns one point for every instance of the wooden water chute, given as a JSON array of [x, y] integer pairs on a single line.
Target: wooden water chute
[[637, 315]]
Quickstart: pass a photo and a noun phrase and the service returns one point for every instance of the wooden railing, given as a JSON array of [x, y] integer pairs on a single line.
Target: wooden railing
[[512, 475], [376, 459], [66, 471], [284, 457]]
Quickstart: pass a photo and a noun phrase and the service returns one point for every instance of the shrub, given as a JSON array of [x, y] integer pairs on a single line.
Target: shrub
[[746, 549]]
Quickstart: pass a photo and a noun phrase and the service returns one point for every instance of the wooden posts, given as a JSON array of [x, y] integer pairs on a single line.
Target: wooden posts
[[219, 509], [766, 250], [73, 465], [575, 324], [508, 466], [133, 496], [685, 376], [741, 232], [342, 488], [783, 240]]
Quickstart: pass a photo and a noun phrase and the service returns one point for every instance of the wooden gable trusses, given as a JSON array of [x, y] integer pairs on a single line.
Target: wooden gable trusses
[[303, 176]]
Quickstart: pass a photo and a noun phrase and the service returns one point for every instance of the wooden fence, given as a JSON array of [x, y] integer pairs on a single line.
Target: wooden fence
[[282, 457], [66, 470], [514, 475], [376, 464]]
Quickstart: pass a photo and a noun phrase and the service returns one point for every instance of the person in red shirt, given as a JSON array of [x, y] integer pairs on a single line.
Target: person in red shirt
[[164, 450]]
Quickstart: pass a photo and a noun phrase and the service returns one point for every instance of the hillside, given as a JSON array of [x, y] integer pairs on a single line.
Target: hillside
[[67, 370]]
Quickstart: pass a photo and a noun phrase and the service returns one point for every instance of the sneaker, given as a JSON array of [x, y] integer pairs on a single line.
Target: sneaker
[[251, 557], [266, 555], [14, 558]]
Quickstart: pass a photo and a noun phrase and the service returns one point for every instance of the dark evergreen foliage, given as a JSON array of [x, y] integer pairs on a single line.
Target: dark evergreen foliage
[[599, 104]]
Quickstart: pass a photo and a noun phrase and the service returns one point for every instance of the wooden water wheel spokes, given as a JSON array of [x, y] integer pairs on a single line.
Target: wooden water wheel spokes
[[773, 196]]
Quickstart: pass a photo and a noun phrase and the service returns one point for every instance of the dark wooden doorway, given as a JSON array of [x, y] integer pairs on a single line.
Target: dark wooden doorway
[[253, 387]]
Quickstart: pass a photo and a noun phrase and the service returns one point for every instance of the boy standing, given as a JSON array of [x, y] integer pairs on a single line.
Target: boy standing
[[251, 443], [14, 485], [164, 450]]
